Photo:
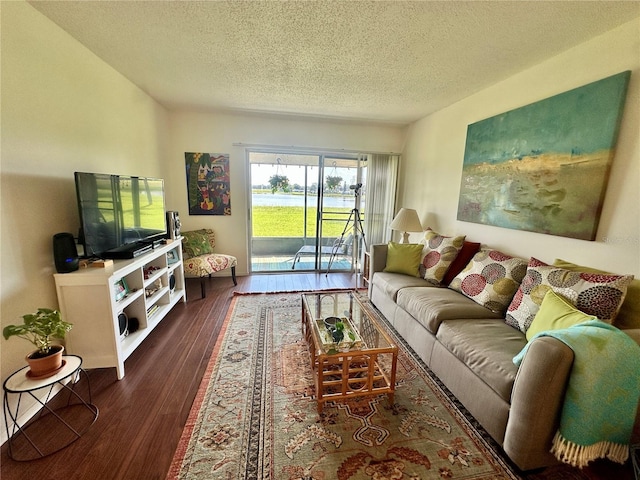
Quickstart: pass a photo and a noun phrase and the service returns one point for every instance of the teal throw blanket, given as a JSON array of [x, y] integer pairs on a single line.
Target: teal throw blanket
[[602, 394]]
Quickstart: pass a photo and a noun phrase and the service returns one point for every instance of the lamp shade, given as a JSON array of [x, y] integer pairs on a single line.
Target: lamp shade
[[406, 221]]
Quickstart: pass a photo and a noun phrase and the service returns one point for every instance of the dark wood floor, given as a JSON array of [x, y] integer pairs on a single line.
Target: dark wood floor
[[142, 416]]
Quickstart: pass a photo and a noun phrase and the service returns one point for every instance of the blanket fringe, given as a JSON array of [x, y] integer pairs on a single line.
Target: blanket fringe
[[580, 455]]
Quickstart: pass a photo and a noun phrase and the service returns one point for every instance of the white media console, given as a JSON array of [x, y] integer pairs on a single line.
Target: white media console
[[145, 288]]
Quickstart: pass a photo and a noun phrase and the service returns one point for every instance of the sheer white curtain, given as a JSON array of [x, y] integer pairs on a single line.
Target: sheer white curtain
[[382, 177]]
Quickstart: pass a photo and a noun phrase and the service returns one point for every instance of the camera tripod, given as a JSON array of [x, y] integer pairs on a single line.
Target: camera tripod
[[356, 224]]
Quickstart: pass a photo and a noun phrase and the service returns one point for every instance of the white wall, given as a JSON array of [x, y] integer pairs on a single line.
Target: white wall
[[216, 133], [63, 109], [433, 156]]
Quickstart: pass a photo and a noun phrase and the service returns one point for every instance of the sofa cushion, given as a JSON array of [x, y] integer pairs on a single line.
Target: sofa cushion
[[593, 293], [403, 258], [438, 254], [431, 306], [469, 249], [391, 283], [487, 347], [555, 313], [629, 314], [491, 279]]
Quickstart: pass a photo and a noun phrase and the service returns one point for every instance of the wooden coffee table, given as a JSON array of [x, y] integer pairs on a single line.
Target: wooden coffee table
[[363, 363]]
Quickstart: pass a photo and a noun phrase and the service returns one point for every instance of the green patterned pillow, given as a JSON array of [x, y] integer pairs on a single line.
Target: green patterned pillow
[[439, 253], [596, 294], [195, 243], [629, 315], [490, 279]]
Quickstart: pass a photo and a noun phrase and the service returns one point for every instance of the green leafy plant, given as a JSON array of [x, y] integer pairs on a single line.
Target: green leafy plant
[[40, 328], [333, 183], [338, 332], [279, 182]]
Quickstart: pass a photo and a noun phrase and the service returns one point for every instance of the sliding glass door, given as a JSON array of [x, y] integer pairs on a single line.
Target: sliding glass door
[[300, 211], [341, 212]]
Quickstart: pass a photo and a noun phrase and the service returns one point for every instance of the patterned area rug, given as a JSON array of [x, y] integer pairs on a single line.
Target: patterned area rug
[[255, 416]]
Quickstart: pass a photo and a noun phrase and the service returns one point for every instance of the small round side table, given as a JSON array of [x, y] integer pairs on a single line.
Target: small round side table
[[43, 399]]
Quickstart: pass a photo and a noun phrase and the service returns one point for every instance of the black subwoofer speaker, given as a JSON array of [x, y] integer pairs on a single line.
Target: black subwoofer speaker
[[65, 254]]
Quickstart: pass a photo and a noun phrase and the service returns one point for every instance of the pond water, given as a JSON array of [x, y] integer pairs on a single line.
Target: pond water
[[285, 200]]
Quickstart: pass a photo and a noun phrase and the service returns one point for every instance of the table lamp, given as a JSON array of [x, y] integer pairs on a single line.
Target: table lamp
[[406, 221]]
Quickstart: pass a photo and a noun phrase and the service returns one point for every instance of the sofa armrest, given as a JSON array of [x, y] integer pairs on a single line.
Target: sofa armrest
[[536, 402], [378, 257], [377, 262]]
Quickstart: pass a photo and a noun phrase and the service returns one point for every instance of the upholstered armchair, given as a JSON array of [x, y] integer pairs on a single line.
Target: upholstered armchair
[[200, 261]]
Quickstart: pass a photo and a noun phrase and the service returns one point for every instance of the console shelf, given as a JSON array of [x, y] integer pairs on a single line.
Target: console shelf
[[92, 299]]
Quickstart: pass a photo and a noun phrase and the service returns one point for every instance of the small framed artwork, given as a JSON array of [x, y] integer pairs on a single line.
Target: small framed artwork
[[208, 183], [172, 256], [121, 289]]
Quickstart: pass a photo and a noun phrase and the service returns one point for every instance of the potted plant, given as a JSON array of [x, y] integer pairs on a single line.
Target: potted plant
[[40, 328]]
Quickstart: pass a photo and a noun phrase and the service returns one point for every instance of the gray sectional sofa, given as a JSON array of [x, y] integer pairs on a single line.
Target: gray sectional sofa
[[471, 349]]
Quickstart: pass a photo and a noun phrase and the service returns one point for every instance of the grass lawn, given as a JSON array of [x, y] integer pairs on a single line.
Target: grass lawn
[[289, 222]]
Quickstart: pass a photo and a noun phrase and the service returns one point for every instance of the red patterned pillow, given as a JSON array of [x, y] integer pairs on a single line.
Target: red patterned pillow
[[491, 279], [596, 294], [439, 252]]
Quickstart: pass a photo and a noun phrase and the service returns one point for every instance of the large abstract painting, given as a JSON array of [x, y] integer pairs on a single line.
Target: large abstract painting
[[208, 183], [544, 167]]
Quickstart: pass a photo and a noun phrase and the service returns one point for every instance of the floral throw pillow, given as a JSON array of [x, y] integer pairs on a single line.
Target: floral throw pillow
[[195, 243], [596, 294], [491, 279], [439, 252]]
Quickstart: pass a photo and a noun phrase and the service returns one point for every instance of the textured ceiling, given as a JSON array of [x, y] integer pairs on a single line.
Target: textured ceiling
[[384, 61]]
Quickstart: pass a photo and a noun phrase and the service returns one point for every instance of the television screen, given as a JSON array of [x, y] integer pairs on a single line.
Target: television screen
[[118, 211]]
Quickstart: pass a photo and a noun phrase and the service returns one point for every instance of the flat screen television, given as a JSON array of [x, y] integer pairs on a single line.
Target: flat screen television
[[120, 216]]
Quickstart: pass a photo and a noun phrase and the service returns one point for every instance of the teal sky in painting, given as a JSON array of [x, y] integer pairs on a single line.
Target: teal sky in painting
[[582, 120]]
